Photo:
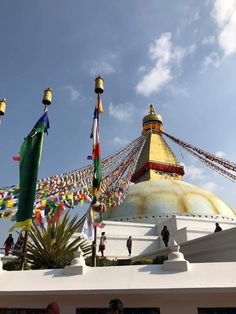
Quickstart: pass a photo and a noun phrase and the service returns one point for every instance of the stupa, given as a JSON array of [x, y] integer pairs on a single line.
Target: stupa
[[159, 196]]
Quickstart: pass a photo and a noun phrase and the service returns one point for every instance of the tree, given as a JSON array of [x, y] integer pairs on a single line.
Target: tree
[[54, 246]]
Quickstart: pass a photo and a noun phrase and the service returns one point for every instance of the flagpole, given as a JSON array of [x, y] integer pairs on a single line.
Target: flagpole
[[22, 260], [94, 246], [99, 89], [47, 99]]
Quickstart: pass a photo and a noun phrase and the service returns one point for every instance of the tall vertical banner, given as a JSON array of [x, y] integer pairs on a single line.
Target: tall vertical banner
[[96, 154], [94, 217], [30, 155]]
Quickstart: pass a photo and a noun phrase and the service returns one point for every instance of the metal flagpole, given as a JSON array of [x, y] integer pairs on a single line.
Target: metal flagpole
[[47, 100], [99, 89]]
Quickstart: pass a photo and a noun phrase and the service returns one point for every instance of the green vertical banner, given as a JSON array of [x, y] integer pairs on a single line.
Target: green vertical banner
[[30, 155]]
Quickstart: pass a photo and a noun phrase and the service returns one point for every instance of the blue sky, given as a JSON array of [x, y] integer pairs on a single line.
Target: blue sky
[[178, 55]]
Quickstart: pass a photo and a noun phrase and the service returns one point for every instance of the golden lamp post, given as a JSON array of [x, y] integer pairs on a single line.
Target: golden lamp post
[[47, 98], [3, 106]]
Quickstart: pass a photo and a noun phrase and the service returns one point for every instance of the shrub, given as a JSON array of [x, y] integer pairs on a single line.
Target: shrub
[[143, 261], [159, 259], [100, 261], [14, 265]]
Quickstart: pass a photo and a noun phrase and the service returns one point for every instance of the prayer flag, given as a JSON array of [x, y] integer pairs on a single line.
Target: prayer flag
[[87, 230], [30, 155], [97, 175], [99, 105]]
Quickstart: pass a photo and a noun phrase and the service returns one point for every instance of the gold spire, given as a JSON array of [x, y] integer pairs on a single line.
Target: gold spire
[[152, 121], [157, 160]]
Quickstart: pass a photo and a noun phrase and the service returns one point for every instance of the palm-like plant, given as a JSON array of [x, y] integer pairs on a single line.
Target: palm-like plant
[[54, 246]]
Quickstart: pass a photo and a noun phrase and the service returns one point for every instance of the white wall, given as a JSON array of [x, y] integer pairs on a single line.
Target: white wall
[[147, 239], [144, 236], [215, 247], [186, 302]]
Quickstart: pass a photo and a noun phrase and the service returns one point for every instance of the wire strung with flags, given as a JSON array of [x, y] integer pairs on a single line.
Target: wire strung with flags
[[55, 194]]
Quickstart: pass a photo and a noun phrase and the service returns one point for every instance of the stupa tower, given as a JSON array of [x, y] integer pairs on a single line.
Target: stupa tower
[[159, 191], [157, 160]]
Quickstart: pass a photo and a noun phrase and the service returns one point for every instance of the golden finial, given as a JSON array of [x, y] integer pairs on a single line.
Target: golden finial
[[99, 85], [3, 105], [47, 97], [151, 109]]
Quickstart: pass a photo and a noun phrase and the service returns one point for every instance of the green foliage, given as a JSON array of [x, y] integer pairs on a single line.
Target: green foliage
[[15, 265], [146, 261], [143, 261], [54, 246], [159, 259], [100, 261]]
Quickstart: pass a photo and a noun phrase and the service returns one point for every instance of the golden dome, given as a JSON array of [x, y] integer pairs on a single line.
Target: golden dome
[[159, 117], [163, 198], [152, 117]]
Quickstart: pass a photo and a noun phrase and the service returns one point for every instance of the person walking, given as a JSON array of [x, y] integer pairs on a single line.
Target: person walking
[[8, 244], [129, 245], [102, 244], [165, 235], [218, 228]]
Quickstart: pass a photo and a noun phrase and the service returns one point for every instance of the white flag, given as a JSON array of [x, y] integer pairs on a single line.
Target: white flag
[[87, 230]]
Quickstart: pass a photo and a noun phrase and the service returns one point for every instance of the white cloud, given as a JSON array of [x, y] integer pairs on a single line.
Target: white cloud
[[74, 93], [120, 141], [211, 59], [198, 176], [210, 187], [142, 68], [209, 40], [220, 154], [178, 91], [195, 16], [194, 173], [152, 82], [224, 13], [101, 68], [165, 55], [121, 112], [161, 49]]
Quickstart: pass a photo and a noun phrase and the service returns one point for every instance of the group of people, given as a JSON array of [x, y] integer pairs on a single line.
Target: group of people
[[102, 243], [165, 234], [9, 244]]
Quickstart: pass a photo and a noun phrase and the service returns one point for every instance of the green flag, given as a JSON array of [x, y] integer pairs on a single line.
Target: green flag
[[30, 154]]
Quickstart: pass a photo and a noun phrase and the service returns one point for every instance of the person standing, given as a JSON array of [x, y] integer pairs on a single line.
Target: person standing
[[116, 307], [53, 308], [218, 228], [129, 245], [8, 244], [165, 235], [102, 244], [19, 243]]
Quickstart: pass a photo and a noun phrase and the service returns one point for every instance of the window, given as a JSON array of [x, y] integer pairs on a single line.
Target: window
[[217, 310], [128, 310], [22, 311]]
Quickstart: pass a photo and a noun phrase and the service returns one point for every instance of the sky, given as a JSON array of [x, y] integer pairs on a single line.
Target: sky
[[178, 55]]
